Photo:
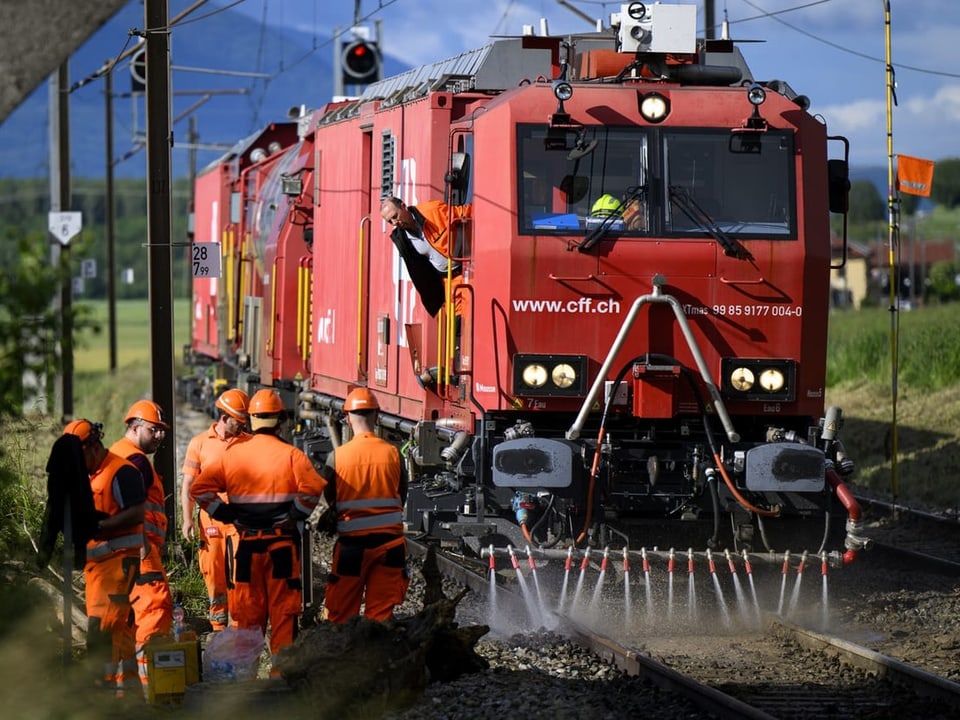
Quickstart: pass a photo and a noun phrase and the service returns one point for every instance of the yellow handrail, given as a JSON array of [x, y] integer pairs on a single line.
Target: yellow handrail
[[360, 294], [273, 307]]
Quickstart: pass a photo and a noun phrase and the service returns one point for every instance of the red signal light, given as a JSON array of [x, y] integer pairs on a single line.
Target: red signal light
[[361, 62]]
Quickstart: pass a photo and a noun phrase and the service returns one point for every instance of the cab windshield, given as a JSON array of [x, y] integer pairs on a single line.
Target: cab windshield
[[629, 181]]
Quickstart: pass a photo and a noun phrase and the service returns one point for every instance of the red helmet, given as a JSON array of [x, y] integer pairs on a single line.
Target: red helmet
[[147, 410], [360, 399], [265, 409], [233, 403]]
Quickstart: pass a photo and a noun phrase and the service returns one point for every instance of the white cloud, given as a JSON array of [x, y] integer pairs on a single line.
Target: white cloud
[[942, 107], [853, 116]]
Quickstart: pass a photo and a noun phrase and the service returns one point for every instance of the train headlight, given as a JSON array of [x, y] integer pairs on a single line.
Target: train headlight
[[562, 90], [742, 379], [756, 94], [772, 380], [549, 375], [654, 107], [563, 375], [535, 375], [759, 379]]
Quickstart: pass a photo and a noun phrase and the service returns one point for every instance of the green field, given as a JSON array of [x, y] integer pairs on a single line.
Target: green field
[[926, 433], [92, 351], [103, 396]]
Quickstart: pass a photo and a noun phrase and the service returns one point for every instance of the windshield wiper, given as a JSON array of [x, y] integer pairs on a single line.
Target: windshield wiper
[[681, 197], [634, 193]]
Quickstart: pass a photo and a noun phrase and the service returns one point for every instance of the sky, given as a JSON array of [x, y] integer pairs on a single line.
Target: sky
[[833, 51]]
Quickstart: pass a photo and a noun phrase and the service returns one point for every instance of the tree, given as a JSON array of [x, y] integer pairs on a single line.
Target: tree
[[866, 205], [942, 281], [945, 189], [29, 320]]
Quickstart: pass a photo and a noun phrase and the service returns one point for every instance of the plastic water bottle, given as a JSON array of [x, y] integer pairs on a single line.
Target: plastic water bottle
[[178, 616]]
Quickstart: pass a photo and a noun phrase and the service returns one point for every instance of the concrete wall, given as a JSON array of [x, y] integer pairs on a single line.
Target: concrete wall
[[36, 36]]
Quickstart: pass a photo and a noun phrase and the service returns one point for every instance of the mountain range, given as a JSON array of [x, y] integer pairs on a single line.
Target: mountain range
[[252, 74]]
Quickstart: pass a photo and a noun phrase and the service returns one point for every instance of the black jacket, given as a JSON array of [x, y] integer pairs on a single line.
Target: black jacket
[[425, 278], [67, 482]]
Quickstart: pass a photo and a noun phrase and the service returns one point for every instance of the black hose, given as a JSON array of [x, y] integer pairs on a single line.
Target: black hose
[[540, 521]]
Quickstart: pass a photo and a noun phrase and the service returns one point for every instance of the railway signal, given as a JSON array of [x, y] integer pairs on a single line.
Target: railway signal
[[361, 62], [138, 71]]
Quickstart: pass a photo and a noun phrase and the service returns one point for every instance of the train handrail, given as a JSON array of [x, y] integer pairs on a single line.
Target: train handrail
[[656, 297], [361, 306]]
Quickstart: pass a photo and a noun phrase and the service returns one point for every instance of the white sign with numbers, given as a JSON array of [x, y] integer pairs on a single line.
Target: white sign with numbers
[[205, 259], [65, 226]]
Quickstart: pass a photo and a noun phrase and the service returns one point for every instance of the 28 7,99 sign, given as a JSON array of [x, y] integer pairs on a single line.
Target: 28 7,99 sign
[[205, 258]]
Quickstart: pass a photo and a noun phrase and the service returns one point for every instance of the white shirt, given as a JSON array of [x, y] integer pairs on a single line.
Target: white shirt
[[437, 259]]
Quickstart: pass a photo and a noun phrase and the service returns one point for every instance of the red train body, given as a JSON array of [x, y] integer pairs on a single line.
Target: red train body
[[658, 358]]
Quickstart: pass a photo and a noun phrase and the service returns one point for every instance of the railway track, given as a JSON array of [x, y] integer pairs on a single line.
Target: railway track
[[925, 539], [776, 670]]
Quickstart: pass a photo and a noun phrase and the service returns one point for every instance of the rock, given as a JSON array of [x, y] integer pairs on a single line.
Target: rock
[[365, 667]]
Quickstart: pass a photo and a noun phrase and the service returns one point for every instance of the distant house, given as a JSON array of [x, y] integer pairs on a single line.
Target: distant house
[[914, 261], [849, 284]]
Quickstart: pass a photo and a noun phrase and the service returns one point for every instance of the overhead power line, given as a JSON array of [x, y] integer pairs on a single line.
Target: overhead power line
[[836, 46]]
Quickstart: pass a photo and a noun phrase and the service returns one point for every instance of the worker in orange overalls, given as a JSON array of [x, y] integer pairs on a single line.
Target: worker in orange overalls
[[151, 599], [217, 540], [113, 556], [422, 237], [366, 487], [429, 237], [270, 486]]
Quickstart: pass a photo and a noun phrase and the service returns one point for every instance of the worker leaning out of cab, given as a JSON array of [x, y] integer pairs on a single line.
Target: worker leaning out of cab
[[270, 486]]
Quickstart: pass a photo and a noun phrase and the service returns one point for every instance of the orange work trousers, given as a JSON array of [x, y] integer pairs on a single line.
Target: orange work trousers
[[110, 629], [266, 585], [152, 606], [215, 556], [374, 576]]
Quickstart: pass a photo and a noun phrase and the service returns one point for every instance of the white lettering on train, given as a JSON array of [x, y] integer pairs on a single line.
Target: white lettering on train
[[582, 305], [327, 328]]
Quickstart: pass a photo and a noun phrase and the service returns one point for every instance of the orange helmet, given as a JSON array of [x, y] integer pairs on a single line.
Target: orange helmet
[[85, 430], [233, 403], [147, 410], [265, 409], [360, 399]]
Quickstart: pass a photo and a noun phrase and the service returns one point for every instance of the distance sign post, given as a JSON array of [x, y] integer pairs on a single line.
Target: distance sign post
[[205, 259]]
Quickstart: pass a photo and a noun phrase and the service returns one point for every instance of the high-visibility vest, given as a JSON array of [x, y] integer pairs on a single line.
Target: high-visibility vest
[[367, 478], [105, 500], [154, 512]]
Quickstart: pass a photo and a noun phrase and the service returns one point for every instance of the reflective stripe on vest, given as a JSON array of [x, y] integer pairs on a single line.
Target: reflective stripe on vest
[[369, 503], [102, 548], [368, 522], [158, 534]]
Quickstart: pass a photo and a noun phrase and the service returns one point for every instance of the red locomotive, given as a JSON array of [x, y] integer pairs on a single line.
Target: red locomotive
[[633, 322]]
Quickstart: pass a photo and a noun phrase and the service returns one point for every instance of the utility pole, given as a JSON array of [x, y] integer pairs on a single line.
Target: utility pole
[[159, 246], [110, 229], [193, 139], [60, 201]]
